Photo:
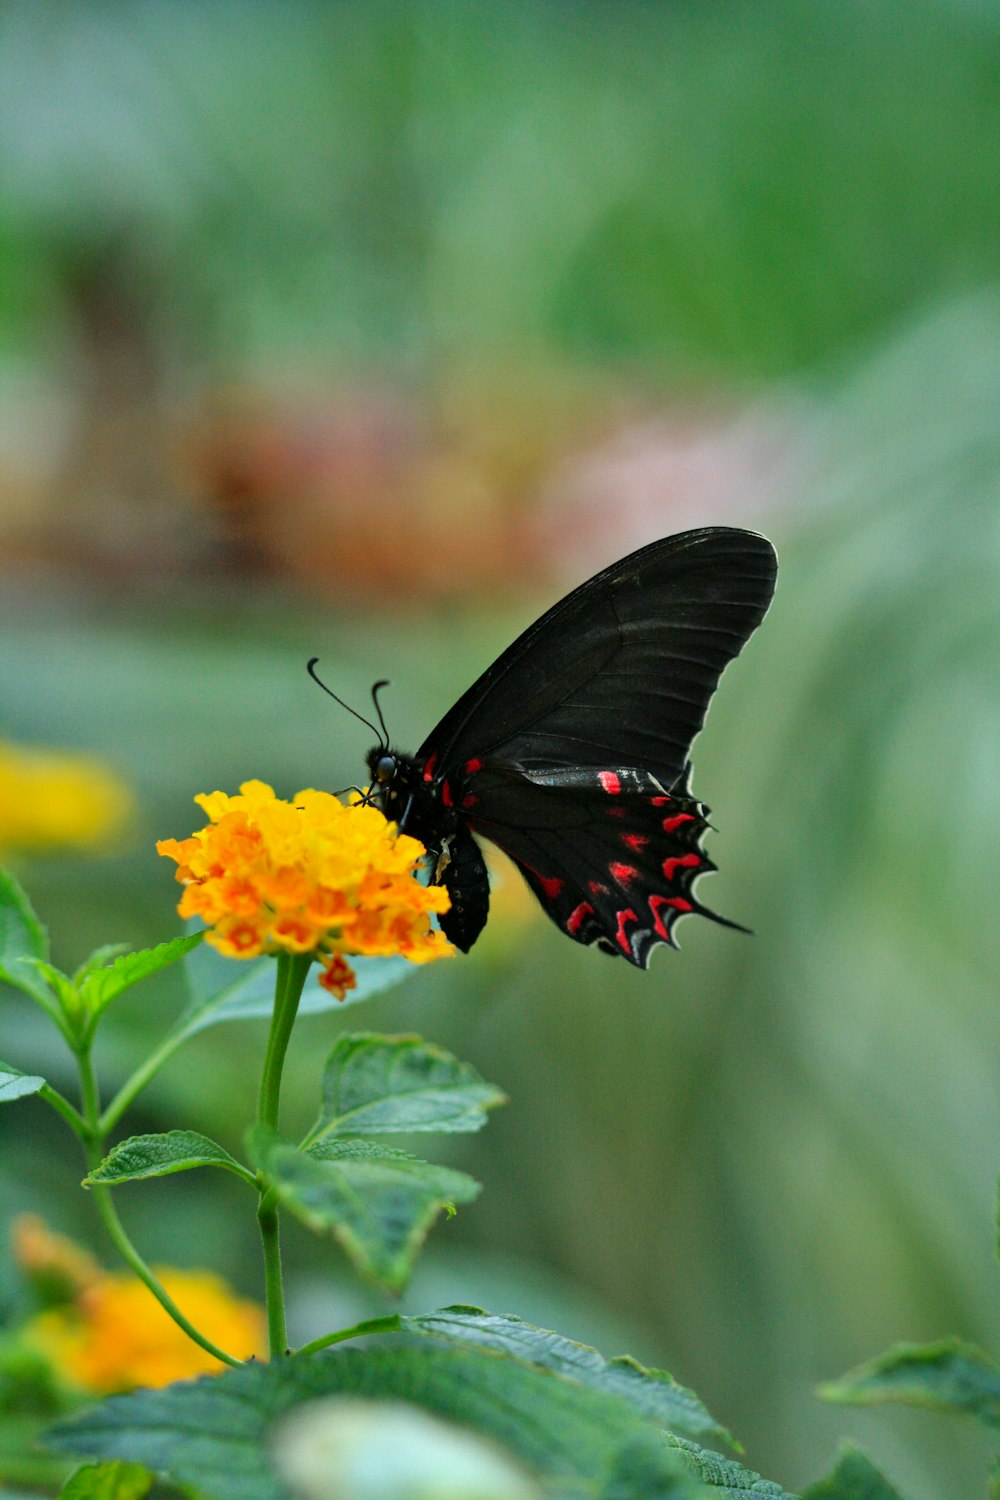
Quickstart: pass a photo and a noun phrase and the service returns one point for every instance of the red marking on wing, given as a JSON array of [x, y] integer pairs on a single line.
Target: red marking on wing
[[656, 902], [623, 873], [637, 841], [578, 916], [684, 861], [610, 782], [597, 887], [469, 800], [446, 796], [622, 940], [429, 767], [472, 766], [617, 812], [660, 801], [550, 884], [669, 824]]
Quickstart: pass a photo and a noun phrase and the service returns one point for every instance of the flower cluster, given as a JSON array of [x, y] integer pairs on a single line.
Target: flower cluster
[[103, 1332], [307, 876], [115, 1336], [51, 800]]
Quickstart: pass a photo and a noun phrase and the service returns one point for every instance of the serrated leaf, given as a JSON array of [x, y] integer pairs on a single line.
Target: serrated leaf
[[639, 1474], [654, 1393], [17, 1085], [116, 1481], [854, 1477], [144, 1156], [379, 1085], [948, 1376], [99, 959], [103, 985], [217, 1432], [58, 983], [225, 989], [726, 1474], [21, 935], [379, 1203]]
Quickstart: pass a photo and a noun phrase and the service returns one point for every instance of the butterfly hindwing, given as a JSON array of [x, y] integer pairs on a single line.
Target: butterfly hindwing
[[611, 856]]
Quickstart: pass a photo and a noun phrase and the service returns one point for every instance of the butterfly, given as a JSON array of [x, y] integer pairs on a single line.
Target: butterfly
[[570, 752]]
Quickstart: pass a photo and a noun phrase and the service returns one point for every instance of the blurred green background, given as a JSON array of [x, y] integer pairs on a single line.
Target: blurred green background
[[365, 330]]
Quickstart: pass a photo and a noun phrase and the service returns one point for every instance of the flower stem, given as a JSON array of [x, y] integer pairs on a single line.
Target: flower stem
[[291, 976], [92, 1139]]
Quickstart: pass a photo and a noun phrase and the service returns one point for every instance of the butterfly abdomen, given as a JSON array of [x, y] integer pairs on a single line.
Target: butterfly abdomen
[[461, 869]]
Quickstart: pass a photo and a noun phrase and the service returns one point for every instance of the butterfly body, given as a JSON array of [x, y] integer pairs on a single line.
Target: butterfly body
[[571, 752]]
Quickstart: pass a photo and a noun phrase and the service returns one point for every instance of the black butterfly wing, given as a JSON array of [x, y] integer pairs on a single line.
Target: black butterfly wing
[[622, 670], [612, 858]]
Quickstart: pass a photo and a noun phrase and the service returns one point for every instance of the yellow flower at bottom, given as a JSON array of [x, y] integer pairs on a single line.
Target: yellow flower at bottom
[[308, 876], [116, 1336]]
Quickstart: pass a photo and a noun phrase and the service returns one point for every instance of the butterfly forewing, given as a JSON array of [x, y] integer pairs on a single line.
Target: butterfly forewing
[[622, 670]]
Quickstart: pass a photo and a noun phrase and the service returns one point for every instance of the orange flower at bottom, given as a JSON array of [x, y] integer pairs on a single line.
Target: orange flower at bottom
[[116, 1336], [309, 876]]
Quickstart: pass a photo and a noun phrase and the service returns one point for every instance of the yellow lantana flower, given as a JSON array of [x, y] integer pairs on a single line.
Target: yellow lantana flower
[[115, 1336], [307, 876], [58, 1268], [50, 800]]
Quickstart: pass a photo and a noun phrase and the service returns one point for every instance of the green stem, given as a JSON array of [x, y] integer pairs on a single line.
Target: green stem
[[388, 1324], [131, 1256], [139, 1079], [72, 1116], [292, 970], [93, 1145]]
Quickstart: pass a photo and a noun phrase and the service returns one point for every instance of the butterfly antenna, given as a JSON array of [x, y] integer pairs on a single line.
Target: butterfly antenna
[[311, 669], [376, 689]]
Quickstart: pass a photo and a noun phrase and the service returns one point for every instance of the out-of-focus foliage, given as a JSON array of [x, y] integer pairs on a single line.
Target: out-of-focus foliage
[[749, 187], [320, 300]]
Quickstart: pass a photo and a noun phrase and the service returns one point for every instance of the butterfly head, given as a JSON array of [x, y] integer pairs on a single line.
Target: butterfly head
[[383, 767], [385, 771]]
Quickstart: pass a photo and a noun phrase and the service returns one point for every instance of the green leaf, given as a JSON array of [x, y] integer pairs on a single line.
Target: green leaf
[[654, 1393], [58, 983], [115, 1481], [378, 1202], [102, 985], [218, 1433], [854, 1477], [639, 1473], [99, 959], [158, 1155], [225, 989], [22, 1460], [17, 1085], [21, 935], [948, 1376], [375, 1085], [725, 1473]]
